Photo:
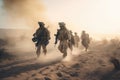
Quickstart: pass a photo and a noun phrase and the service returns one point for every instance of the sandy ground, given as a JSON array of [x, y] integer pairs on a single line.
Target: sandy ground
[[78, 65]]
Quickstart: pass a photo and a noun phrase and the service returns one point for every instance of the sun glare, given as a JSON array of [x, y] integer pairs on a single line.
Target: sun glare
[[94, 16]]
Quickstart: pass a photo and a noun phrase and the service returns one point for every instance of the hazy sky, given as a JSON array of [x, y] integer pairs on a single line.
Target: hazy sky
[[94, 16]]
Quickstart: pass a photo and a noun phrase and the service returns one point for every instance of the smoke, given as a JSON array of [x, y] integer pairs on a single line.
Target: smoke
[[20, 14], [27, 11]]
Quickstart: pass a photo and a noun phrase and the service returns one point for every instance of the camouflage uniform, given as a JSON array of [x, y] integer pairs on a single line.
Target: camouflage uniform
[[62, 36], [85, 40], [76, 39], [43, 37]]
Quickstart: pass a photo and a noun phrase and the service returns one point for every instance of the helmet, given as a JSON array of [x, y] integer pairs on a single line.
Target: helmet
[[61, 23], [83, 31], [75, 33], [41, 23], [70, 31]]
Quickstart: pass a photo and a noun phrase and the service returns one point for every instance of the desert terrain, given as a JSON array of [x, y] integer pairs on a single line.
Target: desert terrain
[[20, 63]]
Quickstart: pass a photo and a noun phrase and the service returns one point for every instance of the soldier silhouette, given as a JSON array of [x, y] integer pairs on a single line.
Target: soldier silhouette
[[76, 39], [41, 37], [85, 40], [63, 36]]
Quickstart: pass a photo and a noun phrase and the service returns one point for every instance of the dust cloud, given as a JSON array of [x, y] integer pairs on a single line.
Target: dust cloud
[[28, 11], [23, 16]]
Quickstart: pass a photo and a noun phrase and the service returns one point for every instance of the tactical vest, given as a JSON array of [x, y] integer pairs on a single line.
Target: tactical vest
[[63, 34]]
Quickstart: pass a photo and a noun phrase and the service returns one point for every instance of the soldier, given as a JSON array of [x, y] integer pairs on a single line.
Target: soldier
[[63, 36], [71, 41], [41, 37], [85, 40], [76, 39]]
